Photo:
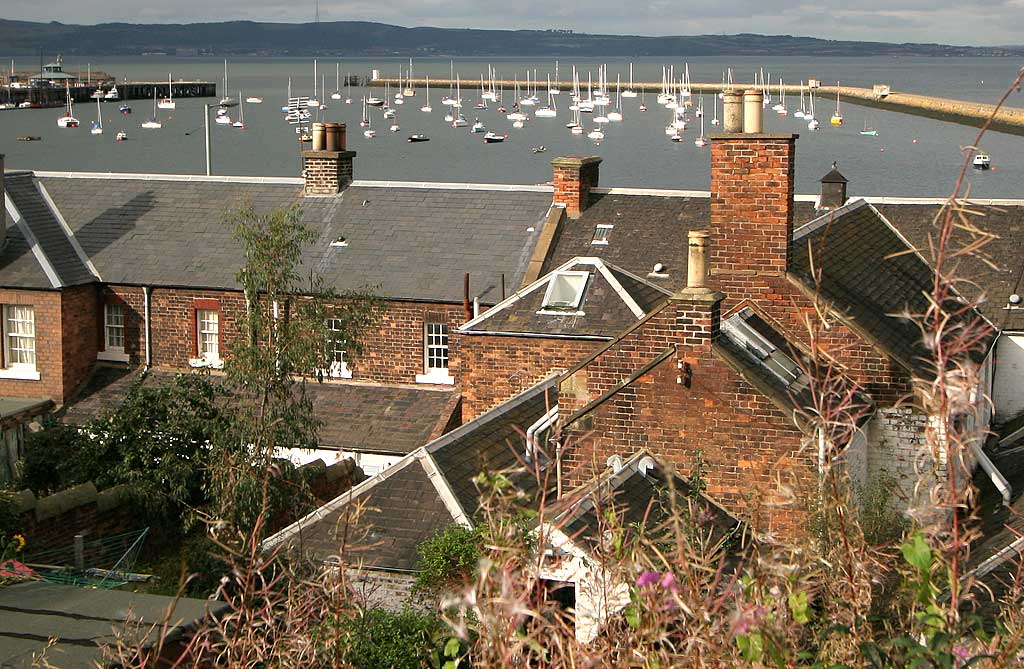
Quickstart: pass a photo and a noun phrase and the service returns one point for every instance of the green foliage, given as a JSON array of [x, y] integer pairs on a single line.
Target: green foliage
[[379, 639], [8, 515], [54, 459], [448, 558], [880, 522]]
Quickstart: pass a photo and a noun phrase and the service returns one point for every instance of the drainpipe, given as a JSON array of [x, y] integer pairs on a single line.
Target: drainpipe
[[542, 423], [146, 296], [998, 480]]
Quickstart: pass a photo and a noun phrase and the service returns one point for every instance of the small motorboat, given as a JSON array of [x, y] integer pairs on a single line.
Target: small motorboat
[[222, 119], [596, 134], [369, 134], [125, 109], [67, 121], [29, 138], [121, 136], [538, 149], [418, 138], [254, 100], [25, 105], [478, 126], [460, 122], [112, 94], [375, 102], [982, 161], [494, 138]]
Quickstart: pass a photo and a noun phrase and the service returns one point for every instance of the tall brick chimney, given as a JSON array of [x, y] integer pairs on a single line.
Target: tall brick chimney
[[573, 178], [327, 171], [752, 177], [698, 308]]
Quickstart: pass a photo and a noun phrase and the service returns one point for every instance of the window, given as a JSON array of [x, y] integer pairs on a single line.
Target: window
[[338, 367], [113, 333], [435, 354], [19, 336], [208, 334], [601, 233], [565, 291], [744, 328], [113, 329]]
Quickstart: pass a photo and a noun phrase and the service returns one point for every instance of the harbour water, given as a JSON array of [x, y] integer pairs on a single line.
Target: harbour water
[[911, 156]]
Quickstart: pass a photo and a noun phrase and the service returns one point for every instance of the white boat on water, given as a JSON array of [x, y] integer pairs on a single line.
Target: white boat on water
[[121, 136], [97, 125], [837, 116], [478, 126], [112, 94], [254, 100], [629, 92], [153, 123], [982, 161], [549, 110], [227, 100], [68, 120], [167, 102], [426, 108], [240, 123], [336, 95], [314, 101]]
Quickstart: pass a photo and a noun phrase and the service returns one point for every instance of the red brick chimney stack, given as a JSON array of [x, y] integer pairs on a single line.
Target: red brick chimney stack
[[327, 171], [698, 308], [574, 177], [752, 174]]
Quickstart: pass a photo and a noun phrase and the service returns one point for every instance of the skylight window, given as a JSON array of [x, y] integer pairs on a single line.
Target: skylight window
[[747, 330], [601, 233], [565, 291]]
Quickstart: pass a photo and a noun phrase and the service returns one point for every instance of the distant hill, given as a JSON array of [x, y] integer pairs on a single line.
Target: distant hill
[[359, 38]]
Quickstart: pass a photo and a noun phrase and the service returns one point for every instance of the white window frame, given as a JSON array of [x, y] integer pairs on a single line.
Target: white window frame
[[337, 368], [570, 309], [206, 358], [110, 352], [601, 238], [439, 375], [19, 370]]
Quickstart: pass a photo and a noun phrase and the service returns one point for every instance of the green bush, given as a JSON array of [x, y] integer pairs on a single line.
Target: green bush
[[56, 458], [379, 639], [448, 558]]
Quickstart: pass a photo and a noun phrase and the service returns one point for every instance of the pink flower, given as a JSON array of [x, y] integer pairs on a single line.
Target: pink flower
[[668, 582], [647, 578], [961, 653]]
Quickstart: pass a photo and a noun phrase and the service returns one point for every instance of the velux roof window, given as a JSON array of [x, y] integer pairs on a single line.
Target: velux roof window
[[565, 291], [601, 233], [749, 331]]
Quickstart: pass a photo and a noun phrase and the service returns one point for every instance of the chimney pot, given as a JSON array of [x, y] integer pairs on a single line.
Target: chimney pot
[[753, 108], [732, 112], [697, 259], [319, 137]]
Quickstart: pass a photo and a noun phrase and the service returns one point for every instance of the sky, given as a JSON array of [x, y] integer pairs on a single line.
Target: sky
[[975, 22]]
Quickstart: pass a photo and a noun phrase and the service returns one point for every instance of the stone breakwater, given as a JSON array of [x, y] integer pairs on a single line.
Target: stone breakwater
[[1007, 119]]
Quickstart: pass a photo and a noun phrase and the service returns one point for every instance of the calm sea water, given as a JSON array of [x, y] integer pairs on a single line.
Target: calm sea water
[[911, 156]]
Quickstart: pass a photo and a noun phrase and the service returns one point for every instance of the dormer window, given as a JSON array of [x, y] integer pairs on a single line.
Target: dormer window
[[601, 233], [565, 291], [743, 329]]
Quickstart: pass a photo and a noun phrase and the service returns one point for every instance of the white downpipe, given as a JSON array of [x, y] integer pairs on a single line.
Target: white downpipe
[[998, 480], [146, 295], [542, 423]]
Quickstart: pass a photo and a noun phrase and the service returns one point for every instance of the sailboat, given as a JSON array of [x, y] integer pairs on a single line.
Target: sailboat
[[548, 110], [702, 140], [812, 123], [399, 98], [802, 112], [868, 131], [554, 90], [616, 114], [699, 113], [336, 95], [426, 108], [348, 89], [780, 108], [323, 88], [448, 100], [714, 119], [68, 120], [394, 123], [576, 127], [369, 133], [168, 102], [97, 125], [153, 123], [314, 102], [482, 102], [837, 117], [409, 90], [643, 100], [240, 123], [629, 92], [227, 100]]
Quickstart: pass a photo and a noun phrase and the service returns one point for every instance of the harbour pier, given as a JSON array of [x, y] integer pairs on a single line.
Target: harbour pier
[[1009, 120], [47, 96]]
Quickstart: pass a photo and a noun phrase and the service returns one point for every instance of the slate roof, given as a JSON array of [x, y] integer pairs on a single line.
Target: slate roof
[[428, 489], [995, 270], [55, 262], [870, 274], [613, 300], [367, 418], [409, 242], [82, 621], [641, 497]]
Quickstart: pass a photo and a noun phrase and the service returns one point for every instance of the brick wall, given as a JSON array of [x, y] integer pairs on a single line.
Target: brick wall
[[81, 314], [53, 521], [133, 301], [48, 345], [492, 369], [173, 323], [326, 172], [573, 178]]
